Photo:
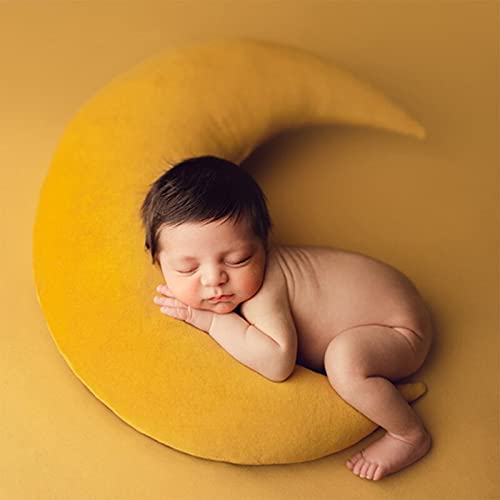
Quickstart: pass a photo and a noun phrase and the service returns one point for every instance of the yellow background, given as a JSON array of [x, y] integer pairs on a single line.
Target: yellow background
[[429, 208]]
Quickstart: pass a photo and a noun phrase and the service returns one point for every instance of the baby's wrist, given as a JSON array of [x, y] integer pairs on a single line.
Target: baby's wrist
[[201, 319]]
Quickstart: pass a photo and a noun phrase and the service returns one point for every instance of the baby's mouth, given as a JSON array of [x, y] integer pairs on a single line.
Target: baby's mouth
[[221, 298]]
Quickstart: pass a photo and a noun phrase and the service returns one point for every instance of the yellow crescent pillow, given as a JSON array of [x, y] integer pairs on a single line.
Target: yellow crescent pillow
[[95, 282]]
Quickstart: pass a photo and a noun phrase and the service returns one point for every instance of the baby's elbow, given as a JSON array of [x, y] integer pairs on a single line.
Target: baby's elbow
[[280, 365], [286, 377], [282, 372], [288, 362], [275, 379], [281, 379]]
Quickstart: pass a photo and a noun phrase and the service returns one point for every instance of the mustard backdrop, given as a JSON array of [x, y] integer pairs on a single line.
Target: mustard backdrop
[[433, 214]]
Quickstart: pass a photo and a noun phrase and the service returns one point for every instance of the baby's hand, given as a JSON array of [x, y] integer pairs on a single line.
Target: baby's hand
[[173, 307], [170, 305]]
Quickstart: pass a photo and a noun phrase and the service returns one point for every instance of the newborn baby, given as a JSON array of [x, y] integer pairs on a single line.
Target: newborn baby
[[357, 320]]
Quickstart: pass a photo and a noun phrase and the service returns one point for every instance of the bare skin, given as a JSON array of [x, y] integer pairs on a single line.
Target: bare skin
[[357, 320], [374, 330]]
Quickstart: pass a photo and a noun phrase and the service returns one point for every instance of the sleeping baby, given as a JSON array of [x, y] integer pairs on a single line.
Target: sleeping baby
[[353, 318]]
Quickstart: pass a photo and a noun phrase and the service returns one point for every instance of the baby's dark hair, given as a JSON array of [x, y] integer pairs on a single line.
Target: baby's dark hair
[[204, 188]]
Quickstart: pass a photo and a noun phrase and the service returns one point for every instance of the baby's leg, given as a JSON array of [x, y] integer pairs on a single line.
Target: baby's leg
[[360, 363]]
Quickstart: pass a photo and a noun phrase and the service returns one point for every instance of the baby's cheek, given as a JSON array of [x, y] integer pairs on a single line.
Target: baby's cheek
[[189, 297], [182, 290], [250, 283]]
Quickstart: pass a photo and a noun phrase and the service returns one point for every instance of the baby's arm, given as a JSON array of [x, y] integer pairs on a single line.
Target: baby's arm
[[242, 340], [250, 346], [271, 338], [265, 339]]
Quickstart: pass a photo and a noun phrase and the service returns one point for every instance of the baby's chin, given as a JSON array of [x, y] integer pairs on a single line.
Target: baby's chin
[[220, 307]]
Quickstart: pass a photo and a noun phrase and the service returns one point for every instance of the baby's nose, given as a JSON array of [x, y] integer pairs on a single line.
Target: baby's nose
[[214, 278]]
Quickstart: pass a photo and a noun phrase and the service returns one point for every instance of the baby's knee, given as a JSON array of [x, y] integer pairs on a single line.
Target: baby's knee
[[420, 340], [343, 360], [372, 351]]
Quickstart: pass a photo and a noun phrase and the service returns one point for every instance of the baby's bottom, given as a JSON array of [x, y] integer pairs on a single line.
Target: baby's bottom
[[360, 364]]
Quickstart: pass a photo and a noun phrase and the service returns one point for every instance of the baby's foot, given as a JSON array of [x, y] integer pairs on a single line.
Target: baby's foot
[[389, 454]]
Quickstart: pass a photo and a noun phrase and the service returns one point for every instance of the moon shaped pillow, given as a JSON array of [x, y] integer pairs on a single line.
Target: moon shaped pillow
[[95, 282]]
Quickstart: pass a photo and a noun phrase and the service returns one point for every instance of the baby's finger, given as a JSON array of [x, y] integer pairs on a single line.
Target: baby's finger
[[169, 301], [175, 312], [164, 289]]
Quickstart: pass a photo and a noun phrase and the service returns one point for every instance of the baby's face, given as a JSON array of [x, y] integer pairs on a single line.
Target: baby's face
[[200, 261]]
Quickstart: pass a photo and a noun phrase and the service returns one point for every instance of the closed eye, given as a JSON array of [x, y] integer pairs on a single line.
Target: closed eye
[[229, 263], [240, 262]]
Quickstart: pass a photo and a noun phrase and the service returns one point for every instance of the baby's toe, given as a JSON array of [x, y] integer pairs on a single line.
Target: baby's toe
[[364, 469], [371, 471], [378, 473], [357, 467], [353, 460]]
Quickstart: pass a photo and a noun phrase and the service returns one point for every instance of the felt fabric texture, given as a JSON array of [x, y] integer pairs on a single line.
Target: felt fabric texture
[[95, 281]]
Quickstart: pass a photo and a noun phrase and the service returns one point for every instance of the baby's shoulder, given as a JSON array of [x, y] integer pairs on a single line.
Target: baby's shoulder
[[273, 293], [269, 309]]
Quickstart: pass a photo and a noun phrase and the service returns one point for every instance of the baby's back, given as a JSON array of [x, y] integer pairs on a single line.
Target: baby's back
[[331, 290]]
